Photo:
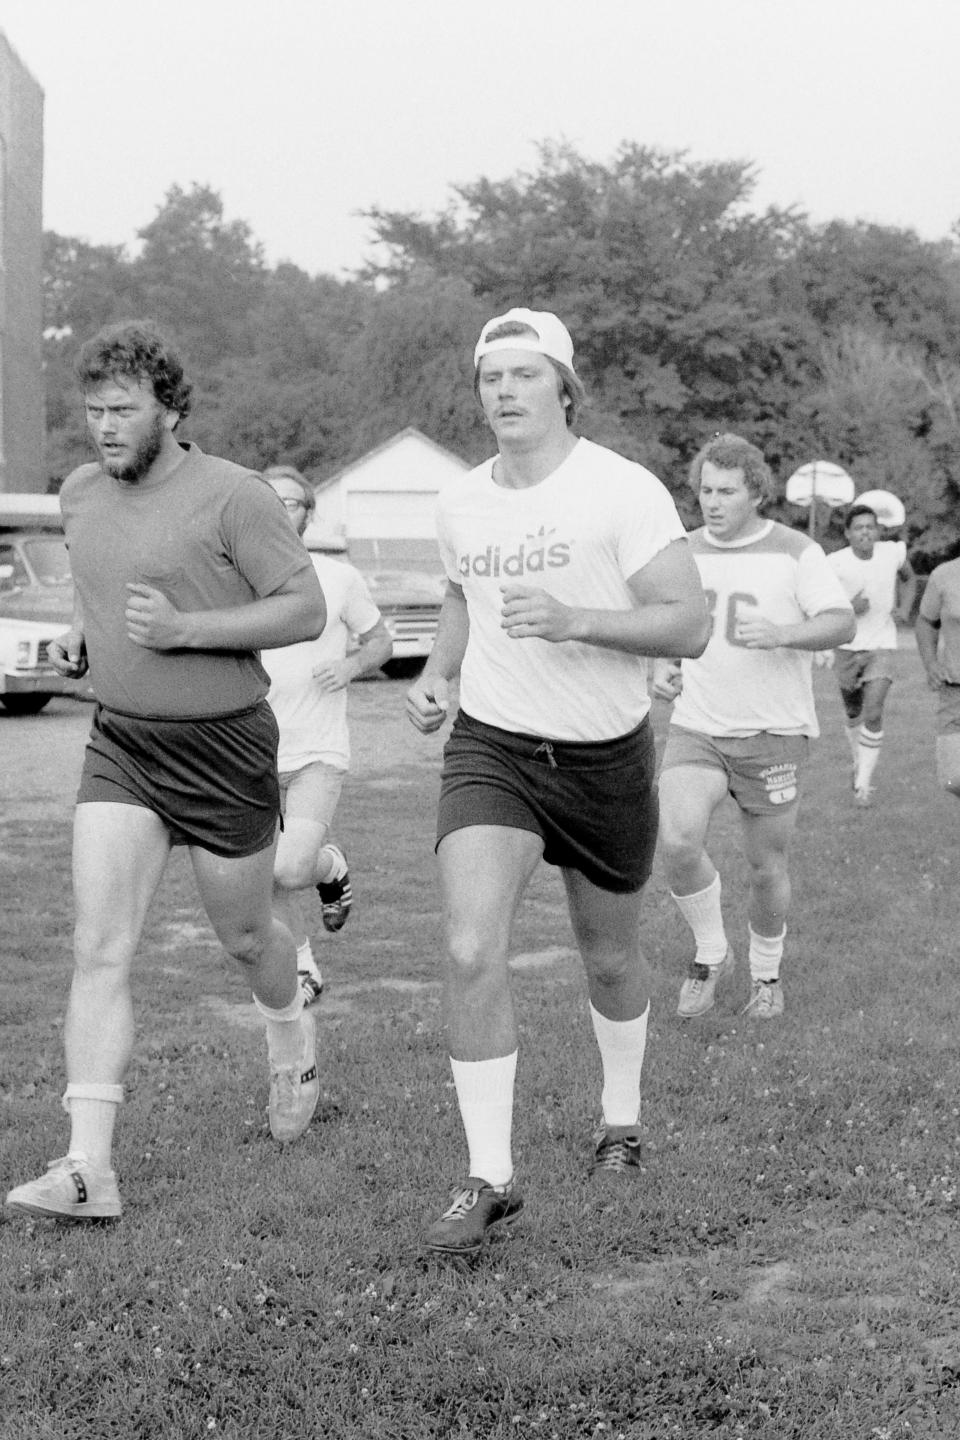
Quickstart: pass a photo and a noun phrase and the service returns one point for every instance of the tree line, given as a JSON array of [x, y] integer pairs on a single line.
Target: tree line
[[690, 311]]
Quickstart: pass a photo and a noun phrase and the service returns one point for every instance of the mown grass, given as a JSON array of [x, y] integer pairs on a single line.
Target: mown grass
[[787, 1266]]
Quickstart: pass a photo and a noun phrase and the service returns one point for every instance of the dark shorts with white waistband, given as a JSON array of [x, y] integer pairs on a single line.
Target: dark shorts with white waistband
[[593, 805], [212, 781]]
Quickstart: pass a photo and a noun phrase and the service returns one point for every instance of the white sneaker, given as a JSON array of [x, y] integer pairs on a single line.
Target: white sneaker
[[766, 1000], [295, 1089], [72, 1189], [863, 796], [698, 991]]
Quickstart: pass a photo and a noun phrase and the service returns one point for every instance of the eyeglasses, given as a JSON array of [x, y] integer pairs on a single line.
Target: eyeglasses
[[293, 504]]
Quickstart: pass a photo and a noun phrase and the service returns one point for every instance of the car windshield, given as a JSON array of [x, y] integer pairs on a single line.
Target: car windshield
[[48, 559]]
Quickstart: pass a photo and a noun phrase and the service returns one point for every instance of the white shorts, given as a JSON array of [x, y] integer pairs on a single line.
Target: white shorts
[[311, 793]]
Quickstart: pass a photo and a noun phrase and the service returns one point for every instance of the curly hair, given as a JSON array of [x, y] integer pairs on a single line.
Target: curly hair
[[732, 452], [857, 510], [136, 350]]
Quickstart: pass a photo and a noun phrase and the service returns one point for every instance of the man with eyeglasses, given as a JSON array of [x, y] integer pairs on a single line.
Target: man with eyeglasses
[[308, 693]]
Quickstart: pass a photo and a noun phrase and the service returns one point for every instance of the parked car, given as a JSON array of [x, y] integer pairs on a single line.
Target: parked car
[[409, 601], [36, 604]]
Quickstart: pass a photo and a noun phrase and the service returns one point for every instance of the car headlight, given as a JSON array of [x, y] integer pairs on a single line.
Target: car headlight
[[24, 657]]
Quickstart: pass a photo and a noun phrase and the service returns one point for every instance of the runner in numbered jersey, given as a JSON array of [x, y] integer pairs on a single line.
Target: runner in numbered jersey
[[743, 716]]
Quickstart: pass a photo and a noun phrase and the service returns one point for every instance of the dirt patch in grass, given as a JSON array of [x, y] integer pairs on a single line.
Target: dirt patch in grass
[[555, 956]]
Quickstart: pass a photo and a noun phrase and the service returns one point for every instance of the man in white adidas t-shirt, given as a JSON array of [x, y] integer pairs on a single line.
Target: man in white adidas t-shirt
[[880, 583], [308, 696], [567, 565], [743, 716]]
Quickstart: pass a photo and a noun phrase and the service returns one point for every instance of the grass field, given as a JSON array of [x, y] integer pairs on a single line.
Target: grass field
[[786, 1267]]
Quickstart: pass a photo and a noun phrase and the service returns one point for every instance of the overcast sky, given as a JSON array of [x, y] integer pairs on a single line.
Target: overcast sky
[[303, 112]]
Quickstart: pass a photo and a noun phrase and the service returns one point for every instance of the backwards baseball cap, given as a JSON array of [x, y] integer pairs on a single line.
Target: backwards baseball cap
[[550, 336]]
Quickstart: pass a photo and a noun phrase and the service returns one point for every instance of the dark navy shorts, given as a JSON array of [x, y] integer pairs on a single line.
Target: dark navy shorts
[[212, 781], [593, 805]]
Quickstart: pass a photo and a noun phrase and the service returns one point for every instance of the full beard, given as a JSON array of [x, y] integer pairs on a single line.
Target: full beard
[[132, 470]]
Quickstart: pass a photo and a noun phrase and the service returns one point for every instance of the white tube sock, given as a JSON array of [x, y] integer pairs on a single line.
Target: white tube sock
[[703, 914], [284, 1032], [622, 1044], [93, 1113], [485, 1096], [766, 954], [868, 753]]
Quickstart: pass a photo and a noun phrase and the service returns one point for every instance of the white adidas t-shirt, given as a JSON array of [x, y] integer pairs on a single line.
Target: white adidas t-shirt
[[579, 534], [734, 691], [877, 579], [313, 725]]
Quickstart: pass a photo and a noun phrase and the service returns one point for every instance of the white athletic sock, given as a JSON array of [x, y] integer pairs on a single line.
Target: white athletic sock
[[852, 732], [93, 1113], [766, 953], [622, 1046], [284, 1032], [485, 1096], [330, 863], [306, 964], [868, 753], [703, 914]]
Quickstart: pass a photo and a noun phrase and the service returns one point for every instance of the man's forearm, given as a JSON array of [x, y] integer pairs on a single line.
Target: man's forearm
[[450, 644], [669, 629], [819, 632], [371, 654], [264, 624], [926, 635], [906, 595]]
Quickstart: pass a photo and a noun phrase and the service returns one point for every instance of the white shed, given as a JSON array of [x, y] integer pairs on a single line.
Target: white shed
[[381, 507]]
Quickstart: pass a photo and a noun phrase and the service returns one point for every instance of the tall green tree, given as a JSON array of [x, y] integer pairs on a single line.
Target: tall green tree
[[200, 275], [668, 283]]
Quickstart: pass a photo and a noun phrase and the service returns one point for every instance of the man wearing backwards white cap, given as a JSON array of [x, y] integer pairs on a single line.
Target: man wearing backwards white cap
[[567, 565]]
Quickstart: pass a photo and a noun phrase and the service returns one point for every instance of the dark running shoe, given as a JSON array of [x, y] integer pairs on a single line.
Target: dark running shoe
[[336, 896], [615, 1155], [475, 1207]]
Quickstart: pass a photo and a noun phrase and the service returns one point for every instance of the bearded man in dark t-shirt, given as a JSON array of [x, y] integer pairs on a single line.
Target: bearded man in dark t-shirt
[[184, 567]]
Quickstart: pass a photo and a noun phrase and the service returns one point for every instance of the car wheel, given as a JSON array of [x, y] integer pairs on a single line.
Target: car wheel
[[24, 704]]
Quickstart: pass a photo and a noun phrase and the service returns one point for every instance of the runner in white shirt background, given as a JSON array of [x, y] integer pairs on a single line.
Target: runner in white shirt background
[[880, 583], [743, 716], [308, 695]]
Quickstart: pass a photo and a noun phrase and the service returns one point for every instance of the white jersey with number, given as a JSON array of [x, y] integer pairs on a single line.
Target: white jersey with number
[[312, 722], [731, 690], [876, 579], [579, 534]]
